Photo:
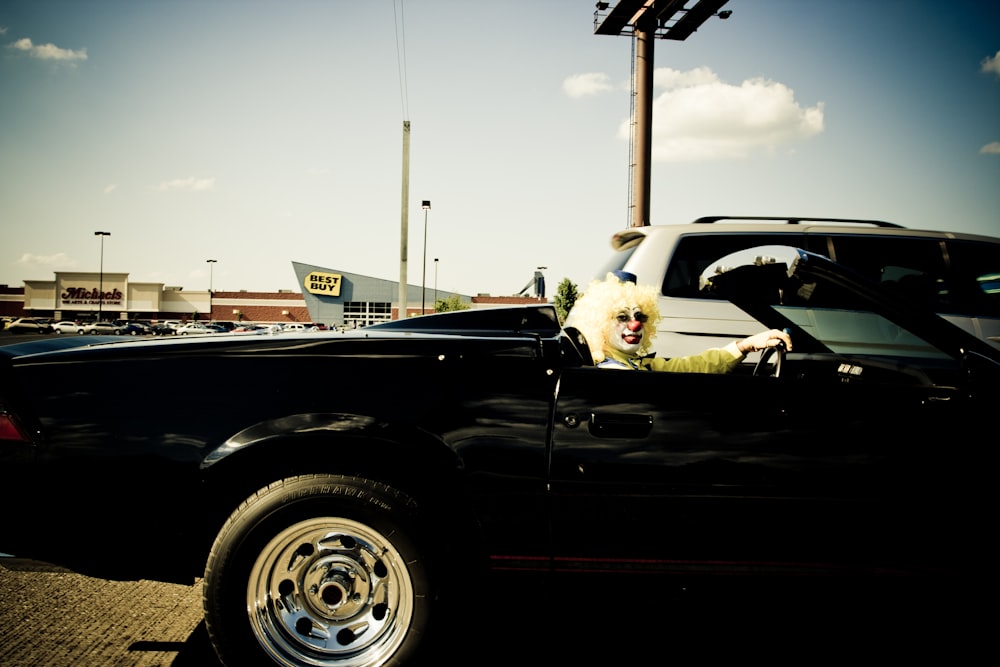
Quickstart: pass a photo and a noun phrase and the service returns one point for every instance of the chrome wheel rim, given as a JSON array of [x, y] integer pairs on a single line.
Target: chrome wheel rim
[[330, 591]]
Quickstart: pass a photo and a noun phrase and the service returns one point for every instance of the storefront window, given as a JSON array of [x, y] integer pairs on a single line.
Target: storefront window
[[364, 313]]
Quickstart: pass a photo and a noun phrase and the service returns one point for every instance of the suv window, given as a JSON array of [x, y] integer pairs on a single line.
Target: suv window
[[616, 262], [954, 277], [976, 271], [694, 252], [912, 268]]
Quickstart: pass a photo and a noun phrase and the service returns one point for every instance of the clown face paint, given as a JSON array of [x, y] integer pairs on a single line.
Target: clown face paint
[[625, 331]]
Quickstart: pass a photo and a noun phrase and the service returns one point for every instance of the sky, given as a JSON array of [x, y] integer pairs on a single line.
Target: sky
[[260, 133]]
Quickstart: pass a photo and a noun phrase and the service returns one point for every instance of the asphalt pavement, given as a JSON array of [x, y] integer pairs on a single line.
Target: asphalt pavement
[[57, 618]]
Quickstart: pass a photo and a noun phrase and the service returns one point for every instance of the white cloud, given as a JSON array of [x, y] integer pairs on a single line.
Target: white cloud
[[665, 77], [583, 85], [992, 148], [700, 118], [991, 64], [48, 51], [189, 183], [108, 189], [60, 260]]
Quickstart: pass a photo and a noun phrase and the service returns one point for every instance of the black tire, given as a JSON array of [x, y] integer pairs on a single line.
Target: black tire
[[318, 570]]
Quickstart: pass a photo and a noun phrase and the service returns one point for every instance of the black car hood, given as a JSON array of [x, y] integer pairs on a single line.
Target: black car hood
[[533, 321], [763, 279], [538, 320]]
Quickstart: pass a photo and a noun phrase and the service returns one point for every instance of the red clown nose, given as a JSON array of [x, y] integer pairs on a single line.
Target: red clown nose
[[634, 325]]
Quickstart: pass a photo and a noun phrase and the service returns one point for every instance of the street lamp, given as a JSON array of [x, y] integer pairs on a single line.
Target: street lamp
[[426, 205], [211, 268], [100, 288], [210, 274], [435, 284]]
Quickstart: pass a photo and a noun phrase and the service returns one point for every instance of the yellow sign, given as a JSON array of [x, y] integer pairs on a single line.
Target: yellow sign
[[323, 283]]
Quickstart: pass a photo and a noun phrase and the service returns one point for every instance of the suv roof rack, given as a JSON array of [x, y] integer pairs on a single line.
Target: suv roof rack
[[793, 221]]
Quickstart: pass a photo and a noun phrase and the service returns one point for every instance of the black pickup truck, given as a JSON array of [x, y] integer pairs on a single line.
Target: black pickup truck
[[338, 492]]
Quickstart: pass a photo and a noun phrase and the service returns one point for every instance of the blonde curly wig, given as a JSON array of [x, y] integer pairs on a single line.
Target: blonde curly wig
[[600, 304]]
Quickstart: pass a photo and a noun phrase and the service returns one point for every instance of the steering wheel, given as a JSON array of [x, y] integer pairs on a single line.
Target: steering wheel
[[765, 367]]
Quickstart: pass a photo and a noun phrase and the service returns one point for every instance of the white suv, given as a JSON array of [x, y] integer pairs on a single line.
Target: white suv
[[957, 275]]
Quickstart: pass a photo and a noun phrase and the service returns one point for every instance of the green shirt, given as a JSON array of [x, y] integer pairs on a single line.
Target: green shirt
[[714, 360]]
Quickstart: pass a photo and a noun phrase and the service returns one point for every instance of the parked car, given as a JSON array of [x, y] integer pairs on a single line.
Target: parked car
[[102, 327], [23, 325], [954, 274], [196, 328], [132, 328], [340, 512], [68, 326], [248, 328], [162, 329], [261, 328]]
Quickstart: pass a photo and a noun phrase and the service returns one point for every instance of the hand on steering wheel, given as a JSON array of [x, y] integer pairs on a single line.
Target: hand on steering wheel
[[778, 352], [771, 343], [765, 340]]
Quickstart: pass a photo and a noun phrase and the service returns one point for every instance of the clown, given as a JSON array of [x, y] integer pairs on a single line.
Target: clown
[[618, 319]]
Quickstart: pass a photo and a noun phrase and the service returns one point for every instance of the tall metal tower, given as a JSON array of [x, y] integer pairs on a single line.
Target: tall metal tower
[[644, 21]]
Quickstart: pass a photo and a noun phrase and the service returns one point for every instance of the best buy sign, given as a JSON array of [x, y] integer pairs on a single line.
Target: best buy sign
[[323, 283]]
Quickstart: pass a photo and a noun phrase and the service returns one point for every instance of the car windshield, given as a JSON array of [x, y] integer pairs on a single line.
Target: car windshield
[[859, 332]]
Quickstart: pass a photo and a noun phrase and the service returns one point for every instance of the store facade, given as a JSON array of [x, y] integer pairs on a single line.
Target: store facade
[[110, 296], [351, 300], [338, 299]]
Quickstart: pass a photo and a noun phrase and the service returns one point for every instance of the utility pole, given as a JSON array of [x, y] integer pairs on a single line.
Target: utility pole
[[404, 213]]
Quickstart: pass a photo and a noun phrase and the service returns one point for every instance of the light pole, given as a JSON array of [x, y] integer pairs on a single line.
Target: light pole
[[426, 205], [435, 284], [210, 274], [100, 288], [211, 268]]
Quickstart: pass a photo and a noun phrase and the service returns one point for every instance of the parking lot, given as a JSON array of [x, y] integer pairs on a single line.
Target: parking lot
[[50, 616]]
